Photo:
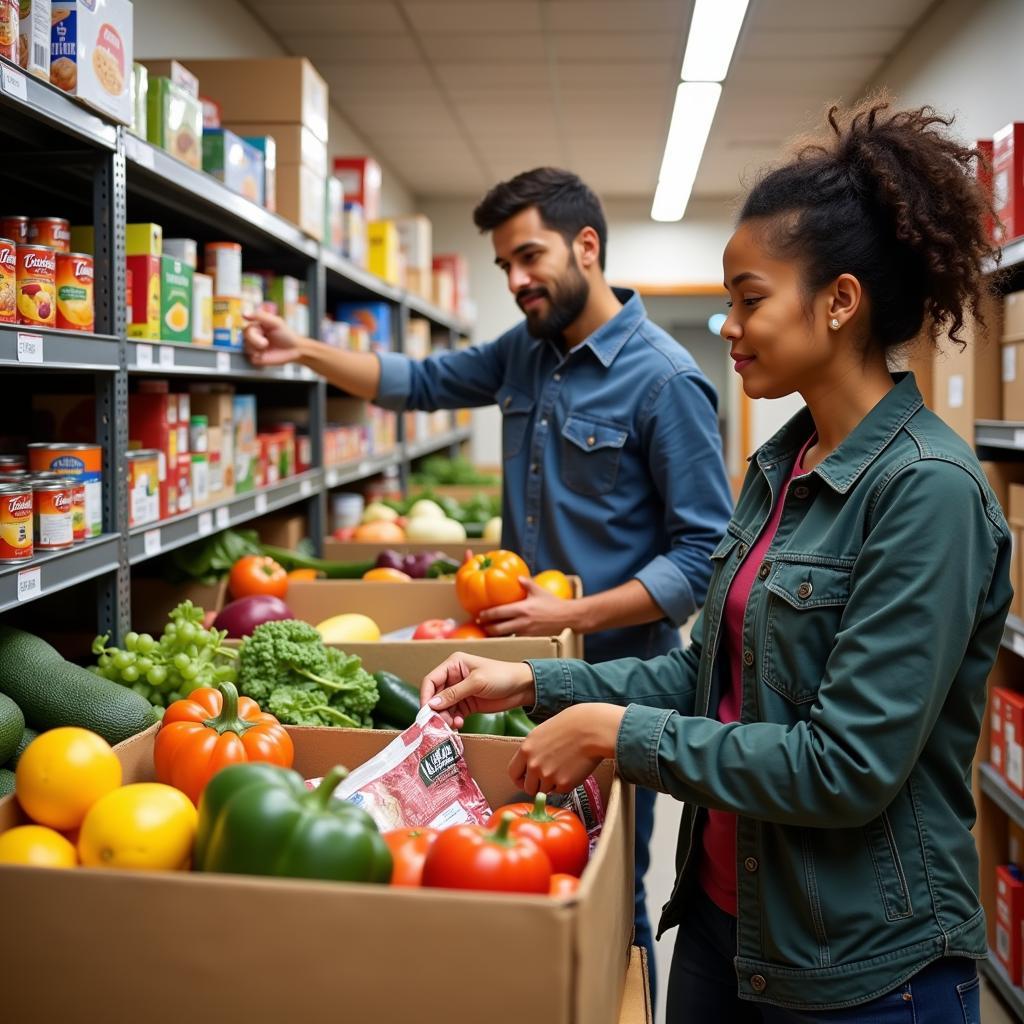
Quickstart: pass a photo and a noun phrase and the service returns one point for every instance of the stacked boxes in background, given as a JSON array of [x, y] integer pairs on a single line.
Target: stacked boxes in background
[[1008, 181], [451, 283], [174, 115], [1009, 737], [383, 257], [1015, 517], [1013, 357], [236, 162], [415, 242], [1009, 919]]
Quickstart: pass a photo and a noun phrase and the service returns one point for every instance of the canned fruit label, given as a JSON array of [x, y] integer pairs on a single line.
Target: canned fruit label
[[14, 228], [15, 524], [37, 286], [83, 464], [50, 231], [8, 281], [75, 310], [54, 519], [79, 526]]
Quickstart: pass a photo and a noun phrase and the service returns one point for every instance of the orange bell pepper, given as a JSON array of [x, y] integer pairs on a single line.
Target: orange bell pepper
[[487, 581]]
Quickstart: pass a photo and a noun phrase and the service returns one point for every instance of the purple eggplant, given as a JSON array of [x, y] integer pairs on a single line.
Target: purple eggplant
[[389, 559]]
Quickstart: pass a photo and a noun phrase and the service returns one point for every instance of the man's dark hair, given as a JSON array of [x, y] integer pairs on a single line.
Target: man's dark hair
[[565, 204]]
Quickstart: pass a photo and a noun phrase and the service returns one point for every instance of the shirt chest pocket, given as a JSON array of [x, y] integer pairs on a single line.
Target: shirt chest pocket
[[590, 454], [516, 410], [805, 609]]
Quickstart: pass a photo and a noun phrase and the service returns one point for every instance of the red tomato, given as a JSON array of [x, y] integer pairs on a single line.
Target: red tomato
[[257, 574], [344, 533], [474, 857], [563, 885], [556, 830], [434, 629], [409, 848], [467, 631]]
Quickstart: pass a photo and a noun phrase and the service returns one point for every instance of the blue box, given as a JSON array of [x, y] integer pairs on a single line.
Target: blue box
[[376, 317], [268, 147], [239, 164]]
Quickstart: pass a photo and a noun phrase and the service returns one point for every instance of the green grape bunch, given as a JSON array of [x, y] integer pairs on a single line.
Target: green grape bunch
[[185, 657]]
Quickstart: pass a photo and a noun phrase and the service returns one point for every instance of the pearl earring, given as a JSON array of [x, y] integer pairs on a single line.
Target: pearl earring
[[835, 323]]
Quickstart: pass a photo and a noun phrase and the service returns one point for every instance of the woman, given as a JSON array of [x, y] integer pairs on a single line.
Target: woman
[[822, 724]]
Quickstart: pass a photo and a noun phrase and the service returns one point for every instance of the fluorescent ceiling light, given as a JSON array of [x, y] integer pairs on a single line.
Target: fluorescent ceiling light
[[714, 29], [692, 115]]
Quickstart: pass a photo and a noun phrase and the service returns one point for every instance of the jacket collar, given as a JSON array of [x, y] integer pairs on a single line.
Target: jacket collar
[[865, 443], [610, 338]]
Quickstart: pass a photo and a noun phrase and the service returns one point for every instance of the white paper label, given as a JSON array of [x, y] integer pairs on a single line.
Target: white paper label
[[1009, 363], [223, 517], [1018, 644], [30, 583], [223, 362], [1018, 439], [364, 468], [289, 370], [166, 357], [332, 477], [30, 348], [955, 396], [308, 374], [144, 357], [14, 83], [306, 488], [261, 504], [151, 542], [205, 523]]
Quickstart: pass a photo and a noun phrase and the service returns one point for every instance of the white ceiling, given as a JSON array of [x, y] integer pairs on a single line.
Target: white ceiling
[[455, 95]]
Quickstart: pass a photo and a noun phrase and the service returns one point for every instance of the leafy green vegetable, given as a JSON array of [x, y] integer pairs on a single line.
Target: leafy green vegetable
[[438, 469], [296, 705]]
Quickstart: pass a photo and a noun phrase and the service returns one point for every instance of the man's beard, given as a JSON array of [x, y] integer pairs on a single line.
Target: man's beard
[[566, 301]]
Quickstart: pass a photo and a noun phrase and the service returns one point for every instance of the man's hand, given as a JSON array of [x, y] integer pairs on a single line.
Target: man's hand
[[269, 341], [465, 684], [540, 613], [561, 752]]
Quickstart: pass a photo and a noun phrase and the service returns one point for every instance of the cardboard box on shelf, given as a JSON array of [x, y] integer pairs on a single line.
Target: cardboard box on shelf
[[1009, 918], [211, 112], [415, 239], [145, 307], [1013, 738], [139, 239], [235, 162], [294, 143], [34, 31], [174, 122], [175, 300], [421, 283], [455, 264], [443, 289], [1008, 180], [202, 309], [1013, 380], [575, 952], [361, 176], [996, 738], [1016, 539], [246, 450], [254, 91], [284, 529], [1000, 475], [176, 72], [91, 54], [1015, 843], [153, 423], [301, 195], [1013, 317], [382, 258], [267, 145]]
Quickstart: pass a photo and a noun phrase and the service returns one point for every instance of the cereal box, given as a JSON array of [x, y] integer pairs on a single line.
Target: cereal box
[[175, 121], [175, 299], [237, 163], [34, 37], [91, 53], [267, 145], [374, 316]]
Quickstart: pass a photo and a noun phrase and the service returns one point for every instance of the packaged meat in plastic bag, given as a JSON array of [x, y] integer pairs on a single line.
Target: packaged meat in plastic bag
[[419, 779]]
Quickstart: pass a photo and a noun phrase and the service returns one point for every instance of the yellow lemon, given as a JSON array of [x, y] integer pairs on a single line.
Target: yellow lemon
[[37, 846], [349, 628], [62, 773], [146, 825]]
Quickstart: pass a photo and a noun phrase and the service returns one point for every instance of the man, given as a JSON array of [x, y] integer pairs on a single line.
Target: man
[[612, 458]]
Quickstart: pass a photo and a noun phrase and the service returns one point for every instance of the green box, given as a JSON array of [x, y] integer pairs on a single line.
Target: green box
[[175, 300], [175, 121]]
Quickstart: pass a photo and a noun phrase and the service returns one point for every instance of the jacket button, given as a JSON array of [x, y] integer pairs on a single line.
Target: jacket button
[[801, 491], [750, 864], [757, 983], [591, 440], [741, 551], [508, 402], [804, 591], [558, 376], [748, 657], [766, 568]]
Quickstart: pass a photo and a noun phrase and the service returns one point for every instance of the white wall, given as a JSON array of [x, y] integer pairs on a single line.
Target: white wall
[[223, 28]]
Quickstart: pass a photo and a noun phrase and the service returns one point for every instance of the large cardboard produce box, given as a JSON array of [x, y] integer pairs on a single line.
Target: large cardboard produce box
[[395, 606], [165, 947], [356, 551], [636, 997]]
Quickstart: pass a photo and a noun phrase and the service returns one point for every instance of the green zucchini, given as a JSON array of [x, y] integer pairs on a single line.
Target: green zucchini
[[332, 570], [481, 724], [398, 702], [517, 724], [12, 727], [6, 782], [27, 736]]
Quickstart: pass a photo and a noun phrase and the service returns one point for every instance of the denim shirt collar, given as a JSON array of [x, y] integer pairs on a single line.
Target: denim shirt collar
[[868, 439], [608, 340]]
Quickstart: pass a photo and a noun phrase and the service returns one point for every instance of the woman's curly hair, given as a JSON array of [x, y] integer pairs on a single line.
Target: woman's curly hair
[[893, 199]]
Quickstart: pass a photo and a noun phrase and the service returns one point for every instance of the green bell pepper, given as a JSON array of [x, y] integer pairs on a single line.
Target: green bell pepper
[[259, 819], [479, 724], [517, 724]]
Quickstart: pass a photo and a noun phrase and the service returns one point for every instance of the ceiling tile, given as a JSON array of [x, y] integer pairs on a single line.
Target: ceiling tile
[[610, 77], [383, 49], [370, 17], [801, 14], [369, 80], [669, 16], [517, 16], [816, 44], [486, 49], [624, 47]]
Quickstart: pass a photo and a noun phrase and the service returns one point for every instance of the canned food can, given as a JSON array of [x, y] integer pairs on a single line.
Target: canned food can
[[54, 232], [53, 515], [75, 311], [10, 463], [15, 522], [84, 464], [37, 285], [8, 281], [13, 227], [223, 262], [143, 486], [79, 523]]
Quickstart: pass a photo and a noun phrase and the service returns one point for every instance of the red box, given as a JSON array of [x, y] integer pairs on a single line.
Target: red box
[[144, 307], [153, 423], [304, 453], [185, 502], [1013, 737], [361, 179], [996, 740], [1008, 180], [1009, 917], [270, 458], [455, 264], [983, 172]]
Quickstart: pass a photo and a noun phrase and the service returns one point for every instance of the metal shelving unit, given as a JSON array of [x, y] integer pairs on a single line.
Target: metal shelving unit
[[131, 180]]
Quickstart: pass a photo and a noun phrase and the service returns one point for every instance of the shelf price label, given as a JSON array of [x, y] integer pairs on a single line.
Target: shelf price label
[[333, 476], [306, 488], [223, 517], [144, 357], [261, 504], [289, 370], [166, 357], [151, 542], [14, 83], [30, 348], [30, 583], [223, 362], [205, 523]]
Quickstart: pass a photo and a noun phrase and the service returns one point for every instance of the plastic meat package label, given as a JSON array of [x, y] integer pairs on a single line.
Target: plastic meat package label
[[419, 779]]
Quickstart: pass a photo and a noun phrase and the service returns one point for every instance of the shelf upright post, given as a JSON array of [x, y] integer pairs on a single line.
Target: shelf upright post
[[316, 298], [109, 217]]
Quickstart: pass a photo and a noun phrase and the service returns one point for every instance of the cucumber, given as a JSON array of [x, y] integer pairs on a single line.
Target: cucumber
[[52, 692], [27, 736], [484, 724], [398, 702], [6, 782], [517, 724], [12, 727]]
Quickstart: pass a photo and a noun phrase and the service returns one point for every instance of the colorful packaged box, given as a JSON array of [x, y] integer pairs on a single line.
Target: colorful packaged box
[[175, 122], [153, 423], [334, 215], [237, 163], [144, 239], [375, 317], [293, 143], [1013, 738], [34, 37], [1009, 918], [145, 307], [184, 249], [143, 486], [140, 100], [200, 479], [228, 322], [91, 54], [175, 300], [253, 293], [202, 309], [382, 257], [454, 264], [996, 738], [176, 72], [270, 458], [246, 449], [353, 233], [1008, 180], [215, 402], [283, 291], [416, 241], [361, 177], [184, 467], [267, 145], [211, 112]]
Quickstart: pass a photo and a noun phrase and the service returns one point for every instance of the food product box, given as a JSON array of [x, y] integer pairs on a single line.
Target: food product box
[[184, 249], [202, 309], [443, 289], [228, 322], [254, 91], [246, 450], [145, 239], [1015, 843], [293, 142], [421, 283], [361, 177], [143, 471], [175, 300], [1008, 180], [983, 171], [334, 215], [573, 951], [270, 459], [34, 37], [382, 239], [353, 233], [1009, 918], [237, 163], [211, 112], [455, 264], [140, 100], [91, 53], [1013, 380], [175, 122], [267, 146], [996, 738], [1013, 317], [186, 501], [1013, 738], [218, 491], [153, 423], [301, 194], [176, 72], [374, 316], [415, 239], [145, 308]]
